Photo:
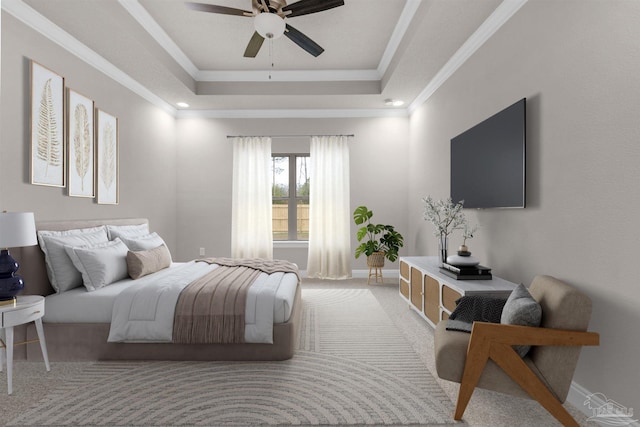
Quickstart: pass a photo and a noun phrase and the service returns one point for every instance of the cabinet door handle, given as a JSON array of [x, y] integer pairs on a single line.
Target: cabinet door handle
[[36, 312]]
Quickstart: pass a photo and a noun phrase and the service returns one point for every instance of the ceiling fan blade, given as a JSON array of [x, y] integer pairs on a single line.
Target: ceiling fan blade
[[254, 45], [305, 7], [303, 41], [212, 8]]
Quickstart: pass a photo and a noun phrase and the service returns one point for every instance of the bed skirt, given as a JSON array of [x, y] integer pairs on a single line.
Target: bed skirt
[[88, 341]]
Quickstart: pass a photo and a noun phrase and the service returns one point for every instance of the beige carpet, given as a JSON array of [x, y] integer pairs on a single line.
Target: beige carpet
[[33, 386], [353, 367]]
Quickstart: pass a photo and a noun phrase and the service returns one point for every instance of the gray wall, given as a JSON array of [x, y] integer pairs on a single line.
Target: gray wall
[[378, 155], [146, 139], [577, 62]]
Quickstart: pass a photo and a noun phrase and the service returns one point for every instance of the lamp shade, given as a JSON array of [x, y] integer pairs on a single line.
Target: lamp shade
[[17, 229], [269, 25]]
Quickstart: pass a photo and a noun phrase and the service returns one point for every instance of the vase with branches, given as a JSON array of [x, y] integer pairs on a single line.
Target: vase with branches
[[446, 217]]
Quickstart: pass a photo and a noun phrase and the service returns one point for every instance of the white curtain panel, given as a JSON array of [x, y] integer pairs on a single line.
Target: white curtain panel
[[251, 227], [329, 209]]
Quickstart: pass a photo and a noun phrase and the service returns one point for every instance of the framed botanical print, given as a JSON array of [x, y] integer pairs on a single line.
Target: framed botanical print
[[48, 147], [81, 158], [107, 158]]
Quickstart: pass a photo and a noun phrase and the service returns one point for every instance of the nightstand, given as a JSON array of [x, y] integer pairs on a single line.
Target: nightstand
[[28, 308]]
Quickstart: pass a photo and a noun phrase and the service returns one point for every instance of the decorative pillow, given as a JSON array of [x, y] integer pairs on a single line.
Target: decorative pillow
[[101, 264], [141, 263], [521, 309], [128, 231], [61, 271], [143, 243]]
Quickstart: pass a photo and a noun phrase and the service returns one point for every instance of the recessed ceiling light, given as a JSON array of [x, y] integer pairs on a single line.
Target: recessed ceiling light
[[393, 102], [182, 105]]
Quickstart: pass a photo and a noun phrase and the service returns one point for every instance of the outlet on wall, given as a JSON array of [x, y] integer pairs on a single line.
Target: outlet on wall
[[201, 251]]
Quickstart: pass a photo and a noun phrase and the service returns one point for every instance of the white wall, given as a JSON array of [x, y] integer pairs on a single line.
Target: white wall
[[378, 156], [146, 139], [577, 62]]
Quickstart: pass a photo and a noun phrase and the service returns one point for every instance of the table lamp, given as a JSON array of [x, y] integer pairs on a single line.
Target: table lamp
[[17, 229]]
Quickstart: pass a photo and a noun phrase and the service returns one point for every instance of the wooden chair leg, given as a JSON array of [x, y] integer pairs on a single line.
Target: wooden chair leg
[[477, 357], [514, 366]]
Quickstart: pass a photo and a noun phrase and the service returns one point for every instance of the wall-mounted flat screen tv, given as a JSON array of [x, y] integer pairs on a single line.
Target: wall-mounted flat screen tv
[[488, 161]]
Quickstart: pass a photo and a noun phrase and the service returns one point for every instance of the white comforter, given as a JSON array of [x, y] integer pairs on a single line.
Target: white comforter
[[144, 312]]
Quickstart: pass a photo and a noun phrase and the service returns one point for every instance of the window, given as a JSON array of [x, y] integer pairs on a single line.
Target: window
[[290, 193]]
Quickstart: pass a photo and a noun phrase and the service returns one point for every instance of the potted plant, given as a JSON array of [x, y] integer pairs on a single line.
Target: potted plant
[[382, 241], [467, 233]]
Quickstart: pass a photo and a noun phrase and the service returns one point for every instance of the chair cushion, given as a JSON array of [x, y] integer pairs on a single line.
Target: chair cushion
[[450, 349], [521, 309], [563, 307]]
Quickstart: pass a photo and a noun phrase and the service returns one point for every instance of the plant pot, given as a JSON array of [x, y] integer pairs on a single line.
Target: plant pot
[[376, 259]]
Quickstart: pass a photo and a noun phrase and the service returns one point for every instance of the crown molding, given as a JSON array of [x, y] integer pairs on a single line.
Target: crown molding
[[39, 23], [140, 14], [290, 114], [288, 76], [493, 23], [410, 9]]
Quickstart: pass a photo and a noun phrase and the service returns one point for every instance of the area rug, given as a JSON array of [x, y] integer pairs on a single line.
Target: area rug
[[353, 367]]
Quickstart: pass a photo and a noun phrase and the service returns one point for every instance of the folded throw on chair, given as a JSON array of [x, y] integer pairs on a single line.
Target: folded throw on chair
[[475, 308]]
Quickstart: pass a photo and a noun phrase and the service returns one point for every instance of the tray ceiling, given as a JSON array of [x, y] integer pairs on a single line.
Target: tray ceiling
[[374, 50]]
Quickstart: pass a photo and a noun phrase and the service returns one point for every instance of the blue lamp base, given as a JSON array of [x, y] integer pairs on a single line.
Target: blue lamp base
[[10, 283]]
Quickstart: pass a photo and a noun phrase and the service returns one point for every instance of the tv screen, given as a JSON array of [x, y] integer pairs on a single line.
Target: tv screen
[[488, 161]]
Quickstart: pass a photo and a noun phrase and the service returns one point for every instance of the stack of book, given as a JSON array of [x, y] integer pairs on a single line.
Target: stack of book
[[466, 272]]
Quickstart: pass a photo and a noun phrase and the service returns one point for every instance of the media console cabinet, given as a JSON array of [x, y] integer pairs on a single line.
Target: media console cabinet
[[433, 294]]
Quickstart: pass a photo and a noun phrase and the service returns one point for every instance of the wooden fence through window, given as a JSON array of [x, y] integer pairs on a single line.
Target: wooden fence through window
[[280, 217]]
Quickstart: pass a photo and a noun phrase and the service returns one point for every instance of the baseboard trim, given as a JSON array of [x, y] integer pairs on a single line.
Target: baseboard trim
[[386, 274], [391, 276], [579, 397]]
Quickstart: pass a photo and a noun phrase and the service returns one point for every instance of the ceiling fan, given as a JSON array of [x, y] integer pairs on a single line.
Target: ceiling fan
[[269, 20]]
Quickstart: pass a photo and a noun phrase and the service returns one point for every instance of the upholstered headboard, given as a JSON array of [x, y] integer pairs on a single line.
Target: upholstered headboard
[[31, 259]]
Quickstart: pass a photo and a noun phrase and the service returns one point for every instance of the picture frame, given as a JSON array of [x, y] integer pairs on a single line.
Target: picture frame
[[48, 144], [81, 145], [107, 151]]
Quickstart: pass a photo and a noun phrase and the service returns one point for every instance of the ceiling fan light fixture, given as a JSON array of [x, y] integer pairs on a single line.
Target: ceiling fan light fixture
[[269, 25]]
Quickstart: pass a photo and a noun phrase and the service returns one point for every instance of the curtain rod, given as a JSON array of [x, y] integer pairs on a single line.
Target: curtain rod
[[280, 136]]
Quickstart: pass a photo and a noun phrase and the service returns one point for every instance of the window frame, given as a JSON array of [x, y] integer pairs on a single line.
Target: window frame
[[292, 199]]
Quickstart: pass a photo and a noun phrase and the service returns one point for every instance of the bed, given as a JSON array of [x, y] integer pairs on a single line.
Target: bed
[[77, 325]]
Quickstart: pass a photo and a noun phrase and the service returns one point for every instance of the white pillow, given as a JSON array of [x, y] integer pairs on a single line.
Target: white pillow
[[144, 243], [101, 264], [61, 271], [127, 230]]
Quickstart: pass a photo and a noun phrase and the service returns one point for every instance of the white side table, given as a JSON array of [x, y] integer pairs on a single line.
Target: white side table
[[28, 308]]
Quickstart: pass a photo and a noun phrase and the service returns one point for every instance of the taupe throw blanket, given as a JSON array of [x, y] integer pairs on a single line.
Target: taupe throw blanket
[[265, 265], [212, 308]]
